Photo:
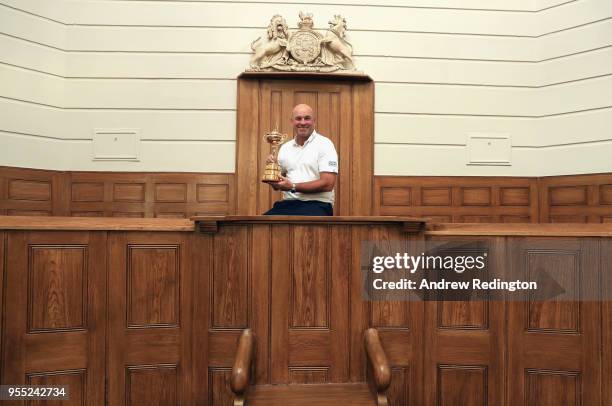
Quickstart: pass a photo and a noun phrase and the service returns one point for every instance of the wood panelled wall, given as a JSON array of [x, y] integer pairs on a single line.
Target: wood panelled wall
[[447, 199], [576, 199], [556, 199], [156, 315], [31, 192], [87, 307]]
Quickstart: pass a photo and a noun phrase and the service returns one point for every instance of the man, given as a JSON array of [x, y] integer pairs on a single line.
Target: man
[[310, 165]]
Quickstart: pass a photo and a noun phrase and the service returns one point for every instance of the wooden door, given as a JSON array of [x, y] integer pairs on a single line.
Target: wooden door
[[54, 328], [344, 113], [310, 304], [464, 340], [149, 319], [553, 346]]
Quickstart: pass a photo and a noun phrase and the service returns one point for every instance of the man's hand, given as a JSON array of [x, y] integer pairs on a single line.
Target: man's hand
[[283, 184], [270, 159]]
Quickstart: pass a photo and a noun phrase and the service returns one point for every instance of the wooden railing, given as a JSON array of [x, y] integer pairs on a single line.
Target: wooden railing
[[377, 360], [241, 371]]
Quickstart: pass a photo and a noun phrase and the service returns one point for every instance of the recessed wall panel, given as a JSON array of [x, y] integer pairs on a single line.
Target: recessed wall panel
[[310, 277], [554, 268], [57, 288], [514, 196], [552, 388], [129, 192], [87, 192], [75, 380], [152, 385], [212, 193], [219, 392], [230, 278], [395, 196], [476, 196], [21, 189], [463, 315], [568, 195], [170, 192], [462, 385], [153, 285], [308, 375], [436, 196]]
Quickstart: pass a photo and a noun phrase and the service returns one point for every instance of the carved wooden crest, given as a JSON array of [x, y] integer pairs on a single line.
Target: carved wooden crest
[[304, 50]]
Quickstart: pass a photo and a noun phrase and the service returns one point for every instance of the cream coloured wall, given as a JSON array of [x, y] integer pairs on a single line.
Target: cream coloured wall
[[536, 70], [553, 100]]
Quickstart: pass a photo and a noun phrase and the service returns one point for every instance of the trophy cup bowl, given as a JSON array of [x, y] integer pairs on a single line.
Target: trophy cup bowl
[[272, 171]]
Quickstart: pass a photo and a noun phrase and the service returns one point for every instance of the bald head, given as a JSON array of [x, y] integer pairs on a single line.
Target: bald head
[[303, 121], [302, 109]]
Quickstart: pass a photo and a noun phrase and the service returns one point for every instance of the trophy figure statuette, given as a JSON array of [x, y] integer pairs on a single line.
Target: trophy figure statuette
[[272, 172]]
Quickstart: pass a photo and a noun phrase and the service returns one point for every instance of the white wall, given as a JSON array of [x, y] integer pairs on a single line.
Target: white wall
[[549, 89], [538, 70]]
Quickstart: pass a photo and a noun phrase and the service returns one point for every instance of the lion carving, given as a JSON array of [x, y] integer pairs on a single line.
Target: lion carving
[[336, 50], [270, 51]]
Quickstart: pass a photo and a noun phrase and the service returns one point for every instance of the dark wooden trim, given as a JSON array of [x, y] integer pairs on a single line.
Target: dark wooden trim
[[211, 224], [331, 76]]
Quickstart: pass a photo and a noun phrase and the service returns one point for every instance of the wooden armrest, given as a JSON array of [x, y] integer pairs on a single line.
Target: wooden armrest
[[241, 371], [378, 359]]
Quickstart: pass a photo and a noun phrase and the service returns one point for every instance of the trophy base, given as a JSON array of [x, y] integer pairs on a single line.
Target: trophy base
[[272, 173]]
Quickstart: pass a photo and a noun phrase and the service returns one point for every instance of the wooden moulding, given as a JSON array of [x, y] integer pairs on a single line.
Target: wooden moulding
[[527, 229], [334, 76], [210, 224], [93, 223]]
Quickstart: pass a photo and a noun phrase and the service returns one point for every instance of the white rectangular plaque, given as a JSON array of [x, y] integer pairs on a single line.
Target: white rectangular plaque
[[116, 144], [489, 149]]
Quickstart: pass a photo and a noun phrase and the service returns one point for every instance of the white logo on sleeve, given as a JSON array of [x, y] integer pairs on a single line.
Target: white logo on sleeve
[[332, 163]]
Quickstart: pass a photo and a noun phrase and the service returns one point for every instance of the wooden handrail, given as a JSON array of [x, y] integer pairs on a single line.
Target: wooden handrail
[[380, 365], [57, 223], [241, 371]]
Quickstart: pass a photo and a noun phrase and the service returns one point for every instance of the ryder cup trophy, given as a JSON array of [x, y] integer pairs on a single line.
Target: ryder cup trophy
[[272, 172]]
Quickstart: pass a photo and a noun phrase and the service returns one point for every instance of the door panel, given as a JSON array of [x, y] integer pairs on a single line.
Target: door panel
[[553, 346], [55, 299], [149, 360], [309, 320]]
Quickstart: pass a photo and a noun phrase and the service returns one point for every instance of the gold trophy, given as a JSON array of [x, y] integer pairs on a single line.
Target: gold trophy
[[272, 172]]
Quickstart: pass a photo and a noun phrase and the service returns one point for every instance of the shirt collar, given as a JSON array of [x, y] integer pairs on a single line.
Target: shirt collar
[[308, 141]]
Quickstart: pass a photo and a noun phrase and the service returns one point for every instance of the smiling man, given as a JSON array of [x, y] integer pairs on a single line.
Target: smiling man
[[309, 163]]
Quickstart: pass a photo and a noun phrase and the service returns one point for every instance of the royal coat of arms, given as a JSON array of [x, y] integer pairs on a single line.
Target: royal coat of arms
[[304, 50]]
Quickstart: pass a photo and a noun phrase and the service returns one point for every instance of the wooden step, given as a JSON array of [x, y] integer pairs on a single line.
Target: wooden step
[[330, 394]]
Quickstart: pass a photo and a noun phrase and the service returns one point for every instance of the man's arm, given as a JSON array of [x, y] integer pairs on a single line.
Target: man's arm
[[325, 183]]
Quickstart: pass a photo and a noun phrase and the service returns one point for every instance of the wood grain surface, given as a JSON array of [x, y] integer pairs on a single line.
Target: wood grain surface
[[142, 317]]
